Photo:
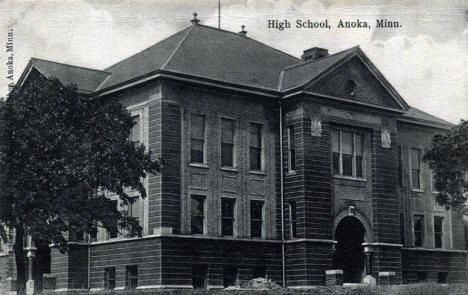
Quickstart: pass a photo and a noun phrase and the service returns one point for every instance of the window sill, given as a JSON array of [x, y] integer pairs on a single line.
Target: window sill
[[232, 169], [199, 165], [291, 172], [417, 190], [350, 178], [257, 172]]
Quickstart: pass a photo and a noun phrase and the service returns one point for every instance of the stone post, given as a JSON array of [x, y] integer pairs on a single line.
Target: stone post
[[368, 250], [30, 254]]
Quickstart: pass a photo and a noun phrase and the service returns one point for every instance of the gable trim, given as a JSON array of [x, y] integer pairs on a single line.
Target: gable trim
[[357, 52], [345, 100]]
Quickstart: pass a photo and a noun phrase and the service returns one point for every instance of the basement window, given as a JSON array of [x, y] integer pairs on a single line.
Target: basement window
[[109, 278], [199, 274], [442, 277], [131, 276]]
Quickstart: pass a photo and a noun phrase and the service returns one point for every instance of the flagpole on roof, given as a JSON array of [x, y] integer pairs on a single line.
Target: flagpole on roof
[[219, 14]]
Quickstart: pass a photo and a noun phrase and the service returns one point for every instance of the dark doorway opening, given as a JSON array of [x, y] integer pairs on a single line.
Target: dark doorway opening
[[349, 254]]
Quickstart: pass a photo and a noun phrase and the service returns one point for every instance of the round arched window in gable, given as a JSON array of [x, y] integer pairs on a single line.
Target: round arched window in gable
[[351, 87]]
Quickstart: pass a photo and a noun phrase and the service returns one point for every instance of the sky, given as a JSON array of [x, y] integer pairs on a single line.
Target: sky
[[425, 59]]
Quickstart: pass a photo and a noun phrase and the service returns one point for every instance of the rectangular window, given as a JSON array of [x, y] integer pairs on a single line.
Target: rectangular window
[[198, 214], [199, 274], [400, 168], [131, 276], [197, 139], [421, 276], [418, 230], [336, 151], [228, 206], [109, 278], [229, 275], [438, 222], [292, 220], [256, 218], [291, 149], [255, 146], [134, 211], [415, 168], [347, 154], [402, 228], [259, 271], [113, 234], [135, 131], [433, 182], [228, 130], [442, 277]]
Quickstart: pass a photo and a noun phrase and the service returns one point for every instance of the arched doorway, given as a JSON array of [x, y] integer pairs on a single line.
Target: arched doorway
[[349, 254]]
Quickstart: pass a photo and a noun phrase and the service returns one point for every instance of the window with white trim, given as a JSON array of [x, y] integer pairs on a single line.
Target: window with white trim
[[292, 220], [255, 151], [418, 230], [135, 136], [347, 149], [197, 139], [291, 149], [228, 131], [228, 211], [256, 218], [415, 168], [197, 214], [438, 223]]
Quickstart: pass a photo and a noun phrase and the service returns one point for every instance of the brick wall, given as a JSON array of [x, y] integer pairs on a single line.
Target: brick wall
[[306, 262], [145, 253], [432, 262], [180, 253]]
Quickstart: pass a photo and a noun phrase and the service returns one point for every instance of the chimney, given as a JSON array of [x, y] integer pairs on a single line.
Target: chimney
[[314, 53]]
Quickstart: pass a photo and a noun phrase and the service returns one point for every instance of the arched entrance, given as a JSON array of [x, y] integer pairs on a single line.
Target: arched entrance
[[349, 252]]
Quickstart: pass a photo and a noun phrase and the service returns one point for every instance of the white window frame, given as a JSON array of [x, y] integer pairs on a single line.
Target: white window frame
[[340, 161], [291, 134], [442, 236], [234, 222], [205, 139], [205, 212], [235, 145], [262, 145], [423, 230], [262, 236], [290, 219], [421, 184]]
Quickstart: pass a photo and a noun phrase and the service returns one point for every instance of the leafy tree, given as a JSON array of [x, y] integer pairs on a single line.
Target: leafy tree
[[448, 158], [61, 155]]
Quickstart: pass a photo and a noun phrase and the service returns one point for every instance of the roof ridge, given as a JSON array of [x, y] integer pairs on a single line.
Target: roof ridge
[[177, 47], [322, 58], [69, 65], [151, 46], [263, 44]]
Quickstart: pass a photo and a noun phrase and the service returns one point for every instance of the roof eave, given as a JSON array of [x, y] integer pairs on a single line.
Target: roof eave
[[159, 74], [425, 123]]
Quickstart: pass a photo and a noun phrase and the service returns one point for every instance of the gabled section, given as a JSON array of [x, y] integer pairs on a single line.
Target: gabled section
[[348, 75], [353, 81], [87, 80]]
